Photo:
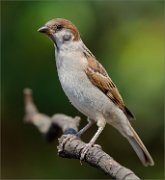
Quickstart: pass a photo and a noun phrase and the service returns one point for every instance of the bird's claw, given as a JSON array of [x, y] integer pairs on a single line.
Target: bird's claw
[[68, 137], [84, 151]]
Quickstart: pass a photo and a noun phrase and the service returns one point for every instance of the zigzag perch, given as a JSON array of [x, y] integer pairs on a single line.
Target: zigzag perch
[[70, 146]]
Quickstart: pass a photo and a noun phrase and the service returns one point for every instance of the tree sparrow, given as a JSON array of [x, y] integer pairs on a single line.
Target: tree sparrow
[[89, 88]]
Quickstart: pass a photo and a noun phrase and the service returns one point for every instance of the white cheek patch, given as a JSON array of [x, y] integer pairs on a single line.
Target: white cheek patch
[[63, 36]]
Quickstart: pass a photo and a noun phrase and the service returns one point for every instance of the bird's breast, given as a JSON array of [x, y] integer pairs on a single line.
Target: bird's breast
[[87, 98]]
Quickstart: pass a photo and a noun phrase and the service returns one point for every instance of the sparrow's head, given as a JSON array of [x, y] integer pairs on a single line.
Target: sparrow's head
[[60, 31]]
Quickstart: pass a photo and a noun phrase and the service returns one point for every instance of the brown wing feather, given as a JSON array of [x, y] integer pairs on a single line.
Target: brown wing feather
[[99, 77]]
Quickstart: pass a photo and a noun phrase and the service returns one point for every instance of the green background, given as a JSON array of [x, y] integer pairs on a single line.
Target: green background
[[126, 37]]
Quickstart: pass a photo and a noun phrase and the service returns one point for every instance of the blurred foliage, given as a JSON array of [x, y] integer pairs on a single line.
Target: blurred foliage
[[126, 37]]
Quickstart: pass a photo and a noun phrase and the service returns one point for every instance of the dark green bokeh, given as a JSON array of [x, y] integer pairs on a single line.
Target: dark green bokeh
[[127, 38]]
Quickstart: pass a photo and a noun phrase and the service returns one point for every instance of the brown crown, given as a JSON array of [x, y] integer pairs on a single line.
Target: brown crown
[[66, 24]]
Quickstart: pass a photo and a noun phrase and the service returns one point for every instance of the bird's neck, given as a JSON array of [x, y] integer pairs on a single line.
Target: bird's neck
[[71, 56]]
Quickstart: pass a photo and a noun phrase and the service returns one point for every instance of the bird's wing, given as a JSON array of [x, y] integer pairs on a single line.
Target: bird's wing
[[99, 77]]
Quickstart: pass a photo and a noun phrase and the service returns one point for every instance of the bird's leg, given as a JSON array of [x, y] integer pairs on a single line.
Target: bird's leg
[[90, 122], [101, 124], [70, 137]]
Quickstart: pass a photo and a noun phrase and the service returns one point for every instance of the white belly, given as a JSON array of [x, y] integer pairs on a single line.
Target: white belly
[[84, 96]]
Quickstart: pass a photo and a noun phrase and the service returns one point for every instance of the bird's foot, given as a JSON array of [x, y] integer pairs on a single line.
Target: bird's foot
[[86, 149], [68, 137]]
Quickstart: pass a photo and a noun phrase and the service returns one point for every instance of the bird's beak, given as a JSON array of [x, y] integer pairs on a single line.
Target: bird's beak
[[46, 30], [43, 29]]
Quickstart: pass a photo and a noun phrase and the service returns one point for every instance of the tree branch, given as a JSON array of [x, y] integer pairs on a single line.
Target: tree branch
[[70, 146]]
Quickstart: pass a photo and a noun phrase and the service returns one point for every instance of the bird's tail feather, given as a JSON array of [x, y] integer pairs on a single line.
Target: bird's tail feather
[[140, 149]]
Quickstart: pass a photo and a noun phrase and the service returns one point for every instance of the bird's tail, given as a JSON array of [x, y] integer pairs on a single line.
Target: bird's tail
[[140, 149]]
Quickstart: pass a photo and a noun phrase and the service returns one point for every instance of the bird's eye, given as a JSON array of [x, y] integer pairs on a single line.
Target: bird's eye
[[59, 27]]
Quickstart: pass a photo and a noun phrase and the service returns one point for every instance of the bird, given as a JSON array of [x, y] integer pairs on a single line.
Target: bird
[[89, 88]]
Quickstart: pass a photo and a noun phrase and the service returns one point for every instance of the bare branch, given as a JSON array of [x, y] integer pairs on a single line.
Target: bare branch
[[70, 146]]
